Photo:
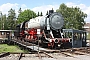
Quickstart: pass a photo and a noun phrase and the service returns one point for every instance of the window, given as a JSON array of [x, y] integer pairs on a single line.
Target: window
[[2, 33]]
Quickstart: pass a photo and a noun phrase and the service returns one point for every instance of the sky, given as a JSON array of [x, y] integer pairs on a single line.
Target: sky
[[44, 5]]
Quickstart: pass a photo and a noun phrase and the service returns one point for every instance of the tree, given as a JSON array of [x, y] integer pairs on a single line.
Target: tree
[[11, 14], [26, 15], [38, 14], [47, 13], [4, 22], [1, 20], [20, 10], [11, 19], [73, 16], [41, 14]]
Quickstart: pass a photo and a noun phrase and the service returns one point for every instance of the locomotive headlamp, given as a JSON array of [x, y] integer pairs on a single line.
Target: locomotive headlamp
[[56, 41]]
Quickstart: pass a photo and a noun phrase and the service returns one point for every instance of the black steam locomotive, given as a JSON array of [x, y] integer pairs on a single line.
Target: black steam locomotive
[[47, 30]]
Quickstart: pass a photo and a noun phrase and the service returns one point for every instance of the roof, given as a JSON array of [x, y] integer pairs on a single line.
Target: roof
[[87, 25], [73, 30], [7, 30]]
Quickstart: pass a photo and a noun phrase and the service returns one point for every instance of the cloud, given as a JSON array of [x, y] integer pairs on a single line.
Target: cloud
[[45, 8], [6, 7]]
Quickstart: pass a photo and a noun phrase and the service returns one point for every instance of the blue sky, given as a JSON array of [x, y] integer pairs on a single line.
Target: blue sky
[[34, 3], [43, 5]]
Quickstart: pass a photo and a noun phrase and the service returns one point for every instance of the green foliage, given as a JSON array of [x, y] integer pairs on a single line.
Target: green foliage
[[3, 21], [0, 20], [11, 19], [20, 10], [8, 23], [10, 48], [26, 15], [38, 14], [11, 14], [73, 16], [47, 13], [41, 14]]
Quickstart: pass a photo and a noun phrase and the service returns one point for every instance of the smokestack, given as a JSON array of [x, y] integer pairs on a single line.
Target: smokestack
[[51, 11]]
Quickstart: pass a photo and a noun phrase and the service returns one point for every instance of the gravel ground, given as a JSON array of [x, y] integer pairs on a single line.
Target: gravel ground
[[57, 56]]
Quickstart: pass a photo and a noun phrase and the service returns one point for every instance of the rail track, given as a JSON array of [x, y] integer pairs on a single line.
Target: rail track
[[47, 54], [32, 47], [63, 54]]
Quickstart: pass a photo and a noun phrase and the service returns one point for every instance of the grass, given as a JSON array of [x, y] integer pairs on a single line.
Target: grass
[[11, 48], [88, 36]]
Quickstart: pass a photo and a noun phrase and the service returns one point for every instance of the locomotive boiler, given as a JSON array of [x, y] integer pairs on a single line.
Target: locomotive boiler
[[49, 28]]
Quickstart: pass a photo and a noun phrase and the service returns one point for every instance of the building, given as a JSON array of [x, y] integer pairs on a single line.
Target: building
[[4, 34], [87, 27]]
